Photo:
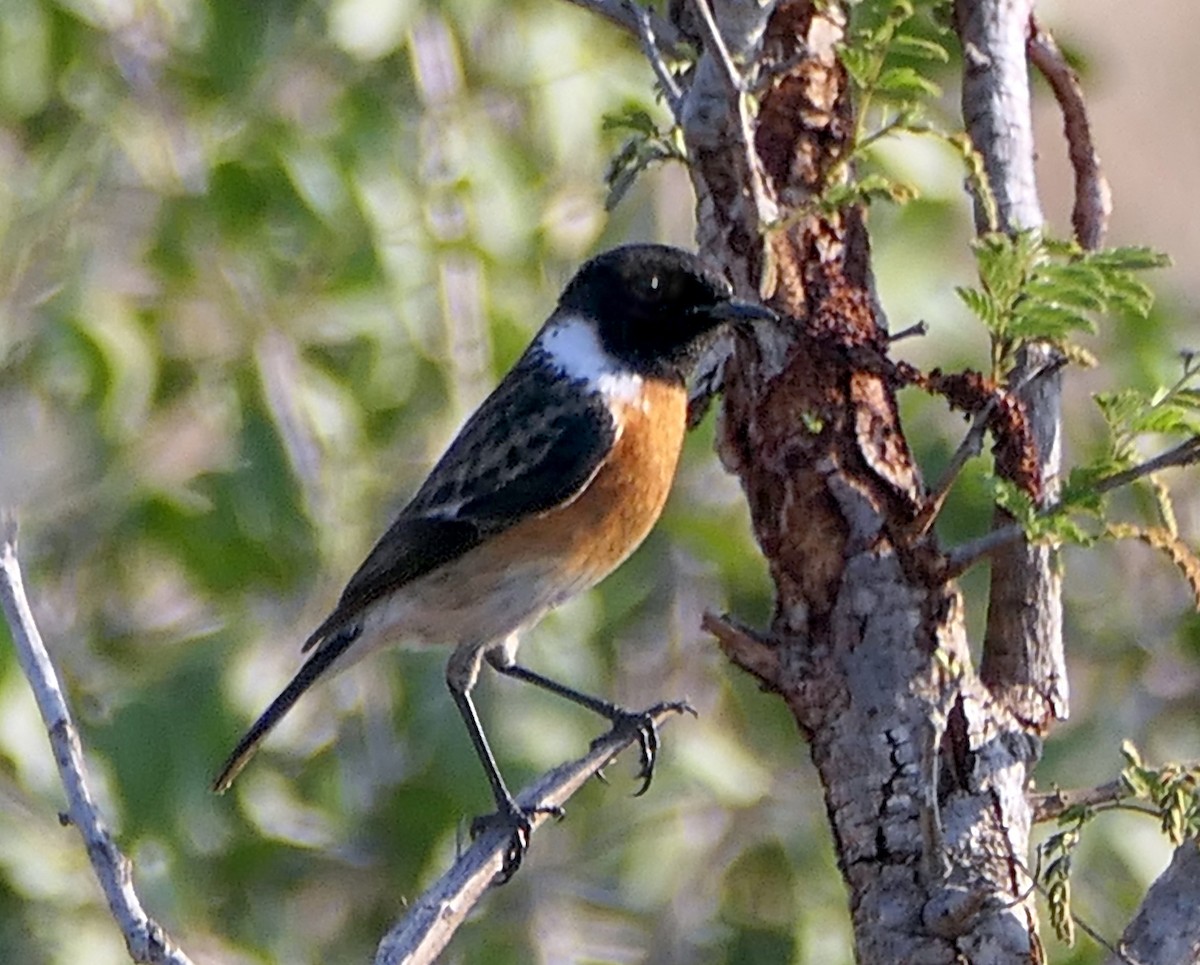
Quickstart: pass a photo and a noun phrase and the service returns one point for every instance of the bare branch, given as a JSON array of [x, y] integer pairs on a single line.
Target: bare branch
[[1184, 454], [996, 107], [1023, 662], [650, 48], [747, 649], [714, 43], [433, 919], [963, 557], [972, 444], [1053, 804], [1093, 198], [144, 938], [919, 329]]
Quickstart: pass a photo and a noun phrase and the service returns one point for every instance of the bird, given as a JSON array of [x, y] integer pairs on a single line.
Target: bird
[[554, 481]]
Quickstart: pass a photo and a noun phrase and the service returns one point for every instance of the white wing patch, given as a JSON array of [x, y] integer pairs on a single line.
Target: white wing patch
[[573, 347]]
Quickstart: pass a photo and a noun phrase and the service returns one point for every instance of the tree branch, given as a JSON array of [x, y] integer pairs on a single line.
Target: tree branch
[[1166, 930], [1051, 805], [749, 650], [433, 919], [1023, 664], [714, 43], [1093, 198], [963, 557], [972, 444], [650, 49], [144, 937]]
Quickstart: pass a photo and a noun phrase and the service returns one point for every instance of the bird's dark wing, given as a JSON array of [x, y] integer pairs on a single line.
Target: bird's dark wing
[[533, 444]]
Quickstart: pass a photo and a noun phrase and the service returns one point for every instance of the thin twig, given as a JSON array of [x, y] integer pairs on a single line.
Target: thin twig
[[918, 329], [715, 44], [1184, 454], [1093, 198], [963, 557], [144, 938], [1053, 804], [1089, 930], [653, 53], [746, 648], [431, 921], [972, 445]]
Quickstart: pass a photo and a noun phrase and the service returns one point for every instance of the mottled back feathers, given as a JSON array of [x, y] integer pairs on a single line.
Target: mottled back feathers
[[533, 445]]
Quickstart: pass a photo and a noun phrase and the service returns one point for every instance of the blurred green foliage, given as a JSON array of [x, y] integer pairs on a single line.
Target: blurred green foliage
[[257, 261]]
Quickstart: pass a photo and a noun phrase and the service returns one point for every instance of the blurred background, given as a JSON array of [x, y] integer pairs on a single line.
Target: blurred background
[[257, 262]]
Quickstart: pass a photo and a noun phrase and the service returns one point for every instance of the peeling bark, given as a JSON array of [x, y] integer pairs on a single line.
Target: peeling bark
[[924, 771]]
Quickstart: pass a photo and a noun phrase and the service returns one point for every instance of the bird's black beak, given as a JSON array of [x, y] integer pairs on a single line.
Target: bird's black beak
[[739, 312]]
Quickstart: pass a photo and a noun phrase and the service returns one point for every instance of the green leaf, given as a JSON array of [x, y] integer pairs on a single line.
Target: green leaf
[[1118, 408], [1167, 419], [1131, 258], [920, 48], [1046, 320], [1187, 398], [983, 305], [904, 82], [1004, 264], [1128, 294], [1015, 501], [859, 64], [632, 118], [1079, 491]]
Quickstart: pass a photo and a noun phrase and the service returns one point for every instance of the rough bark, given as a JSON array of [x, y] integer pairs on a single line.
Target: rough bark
[[924, 771], [1023, 661], [1166, 931]]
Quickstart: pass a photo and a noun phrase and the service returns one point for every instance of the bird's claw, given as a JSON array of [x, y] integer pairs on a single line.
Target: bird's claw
[[518, 822], [644, 727]]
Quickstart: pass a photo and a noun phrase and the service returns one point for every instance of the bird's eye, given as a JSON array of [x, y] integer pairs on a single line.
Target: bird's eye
[[654, 283]]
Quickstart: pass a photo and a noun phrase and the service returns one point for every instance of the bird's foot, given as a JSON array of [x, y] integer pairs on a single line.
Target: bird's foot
[[518, 821], [642, 725]]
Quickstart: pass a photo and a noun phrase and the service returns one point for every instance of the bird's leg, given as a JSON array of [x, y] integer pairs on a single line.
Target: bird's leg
[[509, 815], [637, 723]]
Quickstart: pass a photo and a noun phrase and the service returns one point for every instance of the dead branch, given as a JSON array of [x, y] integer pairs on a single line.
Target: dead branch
[[1051, 805], [747, 649], [144, 937], [1093, 198], [435, 916]]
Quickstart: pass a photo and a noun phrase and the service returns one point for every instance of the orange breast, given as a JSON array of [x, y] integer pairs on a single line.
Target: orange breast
[[593, 534]]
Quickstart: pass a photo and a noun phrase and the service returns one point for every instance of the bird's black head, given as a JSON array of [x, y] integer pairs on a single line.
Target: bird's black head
[[655, 307]]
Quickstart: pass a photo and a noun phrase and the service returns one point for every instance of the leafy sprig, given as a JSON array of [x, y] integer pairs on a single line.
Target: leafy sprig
[[1032, 288], [1058, 851], [886, 59], [1171, 790], [646, 145]]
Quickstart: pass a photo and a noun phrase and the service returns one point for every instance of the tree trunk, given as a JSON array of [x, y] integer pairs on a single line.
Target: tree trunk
[[924, 769]]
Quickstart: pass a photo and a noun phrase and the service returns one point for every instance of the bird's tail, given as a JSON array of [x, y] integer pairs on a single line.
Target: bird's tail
[[313, 668]]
